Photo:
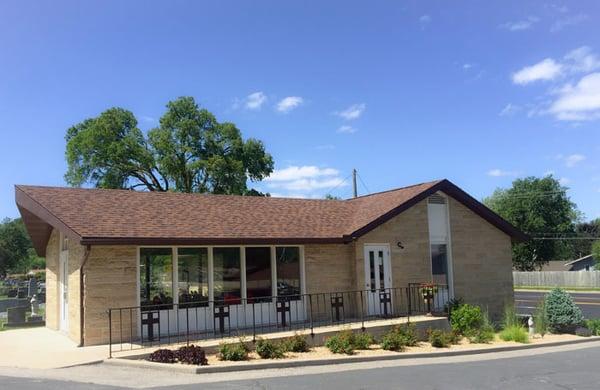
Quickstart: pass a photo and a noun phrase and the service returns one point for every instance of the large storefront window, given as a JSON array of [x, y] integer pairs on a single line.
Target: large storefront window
[[156, 276], [227, 273], [192, 270], [439, 264], [258, 274], [288, 271]]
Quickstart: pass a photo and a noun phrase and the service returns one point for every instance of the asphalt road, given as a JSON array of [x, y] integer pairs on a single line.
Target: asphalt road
[[565, 369], [526, 302]]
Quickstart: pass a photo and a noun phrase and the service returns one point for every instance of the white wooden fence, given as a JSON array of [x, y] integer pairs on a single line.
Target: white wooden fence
[[557, 278]]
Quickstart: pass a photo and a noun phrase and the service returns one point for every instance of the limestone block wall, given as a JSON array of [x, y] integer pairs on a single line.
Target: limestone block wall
[[110, 281], [52, 290], [482, 260]]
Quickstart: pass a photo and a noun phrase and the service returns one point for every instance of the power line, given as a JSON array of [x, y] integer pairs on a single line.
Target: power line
[[363, 183], [337, 185]]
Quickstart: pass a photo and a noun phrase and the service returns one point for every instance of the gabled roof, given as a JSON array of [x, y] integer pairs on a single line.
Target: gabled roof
[[112, 217], [583, 258]]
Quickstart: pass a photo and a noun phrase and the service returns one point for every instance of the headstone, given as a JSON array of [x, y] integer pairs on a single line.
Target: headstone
[[16, 315], [32, 287], [22, 292]]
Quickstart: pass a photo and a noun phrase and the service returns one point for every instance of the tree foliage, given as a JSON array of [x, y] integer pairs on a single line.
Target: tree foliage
[[16, 250], [190, 151], [541, 208], [596, 253], [586, 231]]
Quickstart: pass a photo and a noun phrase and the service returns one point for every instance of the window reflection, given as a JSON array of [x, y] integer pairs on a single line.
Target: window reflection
[[192, 269], [156, 276], [228, 285], [288, 271], [258, 274]]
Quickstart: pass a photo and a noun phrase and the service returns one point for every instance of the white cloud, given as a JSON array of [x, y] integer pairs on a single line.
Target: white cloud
[[547, 69], [499, 173], [289, 103], [578, 102], [352, 112], [255, 100], [467, 66], [306, 178], [582, 59], [571, 160], [521, 24], [424, 20], [509, 110], [345, 129], [567, 21], [563, 181]]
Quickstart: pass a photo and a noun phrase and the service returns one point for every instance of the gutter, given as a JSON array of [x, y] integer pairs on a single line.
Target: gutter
[[86, 255]]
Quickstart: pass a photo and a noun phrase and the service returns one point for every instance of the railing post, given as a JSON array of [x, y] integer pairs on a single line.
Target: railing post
[[253, 322], [409, 304], [109, 333], [312, 333], [362, 311]]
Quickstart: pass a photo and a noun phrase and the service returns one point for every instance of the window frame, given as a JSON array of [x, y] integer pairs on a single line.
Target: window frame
[[175, 268]]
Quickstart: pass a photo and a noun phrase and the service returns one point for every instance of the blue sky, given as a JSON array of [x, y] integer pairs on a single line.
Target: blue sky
[[405, 92]]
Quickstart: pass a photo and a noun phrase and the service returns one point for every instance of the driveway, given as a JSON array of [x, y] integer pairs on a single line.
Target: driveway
[[526, 302]]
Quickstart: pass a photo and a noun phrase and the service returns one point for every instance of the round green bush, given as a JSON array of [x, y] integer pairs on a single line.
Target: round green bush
[[466, 319], [342, 342], [233, 351], [268, 349], [296, 343], [563, 315]]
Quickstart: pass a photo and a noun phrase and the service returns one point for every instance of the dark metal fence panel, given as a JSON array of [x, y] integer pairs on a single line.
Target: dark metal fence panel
[[155, 325]]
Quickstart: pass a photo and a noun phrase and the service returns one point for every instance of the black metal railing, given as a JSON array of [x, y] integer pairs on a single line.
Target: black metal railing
[[154, 325]]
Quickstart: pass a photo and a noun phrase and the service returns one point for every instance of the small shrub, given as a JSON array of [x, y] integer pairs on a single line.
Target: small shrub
[[515, 333], [439, 339], [268, 349], [510, 319], [296, 343], [454, 337], [540, 318], [409, 333], [191, 355], [486, 332], [342, 342], [233, 351], [400, 337], [163, 356], [593, 326], [583, 331], [452, 305], [466, 319], [363, 340], [563, 315]]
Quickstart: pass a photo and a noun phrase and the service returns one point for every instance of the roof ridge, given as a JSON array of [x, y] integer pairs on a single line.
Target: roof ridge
[[23, 187], [398, 189]]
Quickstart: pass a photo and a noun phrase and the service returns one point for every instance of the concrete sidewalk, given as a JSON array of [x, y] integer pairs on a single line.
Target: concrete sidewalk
[[44, 348]]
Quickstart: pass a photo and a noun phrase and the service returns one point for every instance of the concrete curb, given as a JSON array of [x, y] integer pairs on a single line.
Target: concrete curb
[[248, 366]]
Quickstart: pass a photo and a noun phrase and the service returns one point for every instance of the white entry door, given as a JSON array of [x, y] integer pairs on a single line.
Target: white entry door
[[64, 289], [378, 277]]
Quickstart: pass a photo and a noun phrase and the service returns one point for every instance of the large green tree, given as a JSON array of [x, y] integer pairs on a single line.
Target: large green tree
[[190, 151], [586, 233], [16, 250], [541, 208]]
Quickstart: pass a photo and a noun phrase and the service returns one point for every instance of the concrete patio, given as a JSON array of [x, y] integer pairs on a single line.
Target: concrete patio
[[44, 348]]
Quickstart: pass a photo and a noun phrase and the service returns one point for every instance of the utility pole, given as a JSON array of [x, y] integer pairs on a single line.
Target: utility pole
[[354, 182]]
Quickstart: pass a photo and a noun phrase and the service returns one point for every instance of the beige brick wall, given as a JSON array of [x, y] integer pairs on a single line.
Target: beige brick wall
[[409, 265], [110, 281], [329, 268], [76, 253], [482, 260], [52, 308]]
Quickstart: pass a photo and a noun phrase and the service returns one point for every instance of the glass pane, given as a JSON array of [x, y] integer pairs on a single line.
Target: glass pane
[[228, 285], [288, 271], [372, 270], [192, 268], [381, 270], [439, 264], [258, 274], [156, 276]]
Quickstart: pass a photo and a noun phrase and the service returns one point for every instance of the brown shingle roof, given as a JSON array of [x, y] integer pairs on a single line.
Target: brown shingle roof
[[95, 216]]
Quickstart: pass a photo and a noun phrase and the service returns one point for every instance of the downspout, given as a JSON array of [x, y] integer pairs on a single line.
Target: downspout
[[81, 294]]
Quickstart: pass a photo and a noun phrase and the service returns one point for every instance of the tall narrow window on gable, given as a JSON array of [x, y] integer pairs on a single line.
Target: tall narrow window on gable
[[227, 275], [258, 274], [437, 214]]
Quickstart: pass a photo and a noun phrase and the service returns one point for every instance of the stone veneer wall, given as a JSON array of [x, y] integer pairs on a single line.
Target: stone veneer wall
[[52, 308], [110, 281], [409, 265], [482, 260], [328, 267]]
